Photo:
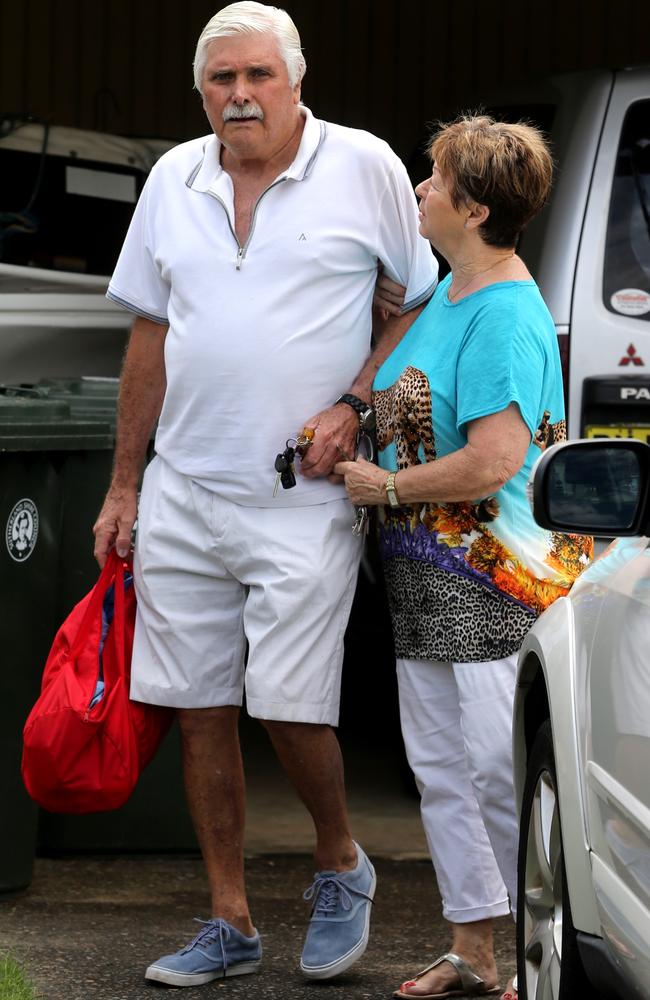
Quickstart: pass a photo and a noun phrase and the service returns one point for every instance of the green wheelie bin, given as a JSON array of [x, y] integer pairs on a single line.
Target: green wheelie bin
[[37, 438], [155, 818]]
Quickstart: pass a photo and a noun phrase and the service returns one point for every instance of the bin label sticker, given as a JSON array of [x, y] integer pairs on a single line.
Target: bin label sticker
[[22, 530]]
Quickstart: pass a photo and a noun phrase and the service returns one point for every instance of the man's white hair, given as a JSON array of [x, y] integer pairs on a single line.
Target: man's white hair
[[248, 17]]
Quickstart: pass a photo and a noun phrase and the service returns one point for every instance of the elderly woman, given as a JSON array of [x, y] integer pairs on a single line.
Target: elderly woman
[[464, 404]]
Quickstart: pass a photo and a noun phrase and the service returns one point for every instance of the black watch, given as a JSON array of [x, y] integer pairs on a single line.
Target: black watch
[[363, 410]]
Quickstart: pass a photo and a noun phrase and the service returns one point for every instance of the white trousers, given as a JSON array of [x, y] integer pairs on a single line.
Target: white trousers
[[457, 728]]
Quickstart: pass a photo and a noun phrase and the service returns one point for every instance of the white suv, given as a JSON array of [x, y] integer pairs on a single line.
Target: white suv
[[589, 249]]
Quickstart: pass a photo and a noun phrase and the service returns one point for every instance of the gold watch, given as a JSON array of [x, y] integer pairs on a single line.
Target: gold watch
[[391, 492]]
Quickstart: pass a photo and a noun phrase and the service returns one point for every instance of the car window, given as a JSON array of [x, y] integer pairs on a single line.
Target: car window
[[44, 223], [626, 277]]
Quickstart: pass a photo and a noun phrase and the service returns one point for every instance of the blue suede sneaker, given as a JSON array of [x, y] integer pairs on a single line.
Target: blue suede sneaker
[[218, 950], [340, 920]]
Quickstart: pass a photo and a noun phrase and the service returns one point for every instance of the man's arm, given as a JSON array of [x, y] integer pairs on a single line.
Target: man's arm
[[142, 388], [386, 333], [337, 427]]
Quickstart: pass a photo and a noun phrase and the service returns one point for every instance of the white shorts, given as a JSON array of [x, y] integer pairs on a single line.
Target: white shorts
[[211, 575]]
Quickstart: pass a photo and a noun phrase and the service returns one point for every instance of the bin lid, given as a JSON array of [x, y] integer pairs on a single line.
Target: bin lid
[[88, 386], [18, 408], [29, 422], [89, 397]]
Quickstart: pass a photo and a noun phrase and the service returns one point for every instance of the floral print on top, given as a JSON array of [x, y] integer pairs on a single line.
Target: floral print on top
[[467, 580]]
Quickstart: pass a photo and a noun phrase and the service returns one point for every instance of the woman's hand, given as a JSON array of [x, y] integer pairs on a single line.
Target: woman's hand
[[365, 483], [389, 296]]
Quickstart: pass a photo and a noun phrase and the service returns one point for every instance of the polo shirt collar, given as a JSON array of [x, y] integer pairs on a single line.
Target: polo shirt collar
[[208, 174]]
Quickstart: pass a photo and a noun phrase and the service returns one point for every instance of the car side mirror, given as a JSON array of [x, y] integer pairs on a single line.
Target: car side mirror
[[593, 487]]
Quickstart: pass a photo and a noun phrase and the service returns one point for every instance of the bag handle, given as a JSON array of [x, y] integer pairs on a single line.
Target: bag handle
[[117, 632], [113, 567]]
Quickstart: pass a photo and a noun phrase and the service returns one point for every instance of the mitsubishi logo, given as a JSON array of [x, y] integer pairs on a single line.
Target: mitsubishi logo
[[631, 358]]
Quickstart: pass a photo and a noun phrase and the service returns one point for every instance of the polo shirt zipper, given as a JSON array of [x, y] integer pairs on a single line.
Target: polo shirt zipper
[[241, 252]]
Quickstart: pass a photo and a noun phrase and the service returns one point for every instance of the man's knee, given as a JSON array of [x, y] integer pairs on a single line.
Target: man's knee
[[294, 732], [196, 723]]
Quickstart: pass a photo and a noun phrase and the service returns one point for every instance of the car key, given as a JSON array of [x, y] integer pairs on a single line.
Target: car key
[[288, 475], [360, 526], [284, 467], [280, 468]]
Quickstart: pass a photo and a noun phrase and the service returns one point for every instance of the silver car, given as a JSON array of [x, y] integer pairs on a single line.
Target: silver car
[[582, 739]]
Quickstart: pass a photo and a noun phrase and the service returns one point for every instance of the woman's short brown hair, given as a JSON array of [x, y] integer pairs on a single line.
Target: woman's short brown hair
[[507, 168]]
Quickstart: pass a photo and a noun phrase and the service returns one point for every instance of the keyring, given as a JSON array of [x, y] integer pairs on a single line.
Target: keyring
[[304, 440]]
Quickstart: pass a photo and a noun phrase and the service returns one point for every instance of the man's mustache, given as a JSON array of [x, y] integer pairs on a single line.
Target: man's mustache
[[238, 111]]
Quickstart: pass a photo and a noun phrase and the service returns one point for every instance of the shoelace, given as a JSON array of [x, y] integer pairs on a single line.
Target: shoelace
[[213, 930], [326, 889]]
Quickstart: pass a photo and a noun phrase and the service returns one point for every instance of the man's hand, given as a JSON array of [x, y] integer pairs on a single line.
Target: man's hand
[[365, 483], [336, 433], [389, 296], [115, 522]]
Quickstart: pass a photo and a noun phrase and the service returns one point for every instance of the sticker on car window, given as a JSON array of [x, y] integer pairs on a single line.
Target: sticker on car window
[[631, 301]]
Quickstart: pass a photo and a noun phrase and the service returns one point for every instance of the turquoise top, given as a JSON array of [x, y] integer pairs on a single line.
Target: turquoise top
[[466, 580]]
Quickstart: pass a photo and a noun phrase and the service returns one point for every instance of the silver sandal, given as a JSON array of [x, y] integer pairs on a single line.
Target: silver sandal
[[471, 985]]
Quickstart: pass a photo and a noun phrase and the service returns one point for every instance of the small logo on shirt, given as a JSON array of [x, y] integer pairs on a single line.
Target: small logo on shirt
[[302, 237]]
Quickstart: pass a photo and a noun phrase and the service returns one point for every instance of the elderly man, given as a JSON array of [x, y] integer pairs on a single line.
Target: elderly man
[[250, 265]]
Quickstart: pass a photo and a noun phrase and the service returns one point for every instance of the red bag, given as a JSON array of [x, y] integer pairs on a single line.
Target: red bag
[[78, 757]]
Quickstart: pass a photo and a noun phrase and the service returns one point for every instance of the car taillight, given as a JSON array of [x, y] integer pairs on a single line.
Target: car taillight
[[563, 344]]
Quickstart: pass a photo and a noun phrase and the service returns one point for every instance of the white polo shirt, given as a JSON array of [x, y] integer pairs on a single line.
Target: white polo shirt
[[264, 336]]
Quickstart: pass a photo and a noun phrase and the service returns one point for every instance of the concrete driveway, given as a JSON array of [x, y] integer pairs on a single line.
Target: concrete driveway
[[88, 927]]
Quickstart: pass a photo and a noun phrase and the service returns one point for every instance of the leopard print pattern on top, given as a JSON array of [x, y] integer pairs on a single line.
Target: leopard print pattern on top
[[548, 433], [440, 616], [456, 591], [403, 413]]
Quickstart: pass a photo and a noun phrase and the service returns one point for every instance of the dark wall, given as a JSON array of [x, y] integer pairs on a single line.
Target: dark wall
[[386, 65]]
